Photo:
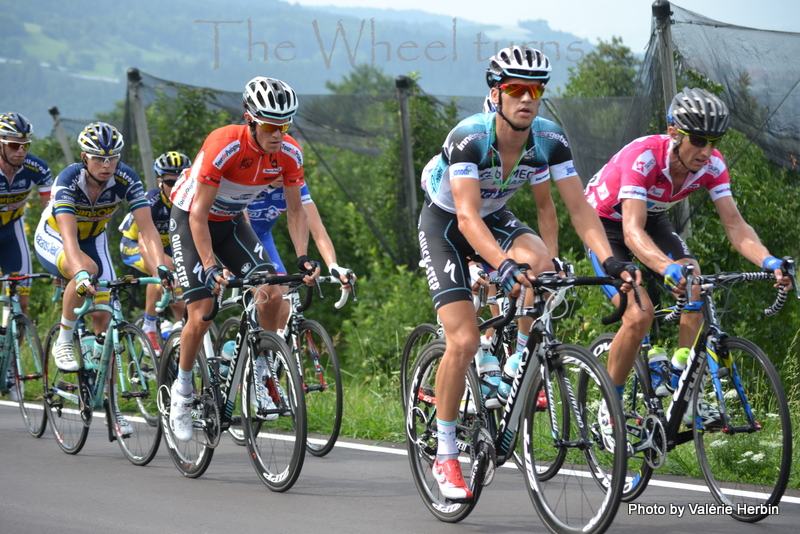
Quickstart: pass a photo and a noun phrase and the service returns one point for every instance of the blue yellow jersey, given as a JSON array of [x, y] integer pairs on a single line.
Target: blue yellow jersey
[[14, 191], [160, 207], [69, 195]]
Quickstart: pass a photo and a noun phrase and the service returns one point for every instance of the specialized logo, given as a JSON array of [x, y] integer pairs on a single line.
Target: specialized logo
[[259, 249], [450, 268]]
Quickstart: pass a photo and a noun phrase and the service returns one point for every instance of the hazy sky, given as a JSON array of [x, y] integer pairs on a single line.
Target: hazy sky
[[593, 19]]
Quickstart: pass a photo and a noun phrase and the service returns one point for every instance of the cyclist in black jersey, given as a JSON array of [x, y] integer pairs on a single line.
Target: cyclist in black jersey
[[484, 160]]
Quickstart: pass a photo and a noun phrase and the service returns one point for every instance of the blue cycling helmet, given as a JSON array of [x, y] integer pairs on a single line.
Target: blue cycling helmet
[[13, 124], [518, 62], [101, 139]]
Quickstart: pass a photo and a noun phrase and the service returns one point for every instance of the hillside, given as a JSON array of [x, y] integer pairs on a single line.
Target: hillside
[[76, 60]]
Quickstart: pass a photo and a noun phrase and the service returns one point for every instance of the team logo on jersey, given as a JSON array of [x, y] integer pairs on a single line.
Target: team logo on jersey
[[644, 163], [450, 268], [656, 191], [246, 163], [246, 267], [225, 154], [172, 225]]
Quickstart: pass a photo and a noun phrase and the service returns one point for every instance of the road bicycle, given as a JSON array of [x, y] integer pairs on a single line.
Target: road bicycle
[[21, 357], [122, 380], [317, 362], [555, 440], [745, 455], [275, 438]]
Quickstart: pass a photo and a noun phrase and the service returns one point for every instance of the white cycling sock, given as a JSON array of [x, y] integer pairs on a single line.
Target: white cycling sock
[[67, 328], [447, 440], [184, 382]]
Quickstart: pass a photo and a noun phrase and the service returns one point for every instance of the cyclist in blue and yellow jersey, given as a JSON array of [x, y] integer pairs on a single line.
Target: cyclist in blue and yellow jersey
[[485, 159], [20, 171], [71, 241], [168, 167], [264, 211]]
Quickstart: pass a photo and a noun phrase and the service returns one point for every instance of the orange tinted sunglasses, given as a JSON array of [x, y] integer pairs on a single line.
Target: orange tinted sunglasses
[[518, 89], [269, 127]]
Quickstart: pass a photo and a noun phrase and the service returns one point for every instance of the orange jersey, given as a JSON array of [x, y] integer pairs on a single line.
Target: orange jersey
[[232, 162]]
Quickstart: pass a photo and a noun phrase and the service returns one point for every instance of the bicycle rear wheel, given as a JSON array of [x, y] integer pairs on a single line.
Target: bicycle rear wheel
[[570, 501], [746, 464], [27, 361], [136, 396], [68, 414], [322, 381], [276, 447], [416, 341], [422, 436], [635, 399], [192, 457], [227, 333]]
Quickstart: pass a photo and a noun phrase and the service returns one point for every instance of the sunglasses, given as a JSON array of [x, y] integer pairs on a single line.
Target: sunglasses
[[269, 127], [16, 145], [104, 159], [518, 89], [168, 183], [700, 141]]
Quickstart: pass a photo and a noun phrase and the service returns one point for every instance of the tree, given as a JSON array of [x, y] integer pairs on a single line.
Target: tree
[[365, 79], [608, 71]]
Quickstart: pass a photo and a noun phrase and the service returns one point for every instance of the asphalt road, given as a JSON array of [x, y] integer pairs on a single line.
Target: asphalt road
[[358, 487]]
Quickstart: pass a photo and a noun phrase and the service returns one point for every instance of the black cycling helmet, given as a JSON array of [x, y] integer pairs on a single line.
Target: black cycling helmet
[[13, 124], [101, 139], [171, 162], [696, 111], [518, 62], [268, 98]]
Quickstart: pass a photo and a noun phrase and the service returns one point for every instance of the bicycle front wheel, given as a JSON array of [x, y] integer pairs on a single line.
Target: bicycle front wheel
[[422, 434], [275, 437], [416, 341], [68, 415], [570, 501], [27, 361], [746, 462], [322, 382], [637, 395], [191, 457], [134, 396]]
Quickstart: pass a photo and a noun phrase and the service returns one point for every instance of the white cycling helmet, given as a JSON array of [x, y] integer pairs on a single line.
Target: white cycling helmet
[[696, 111], [269, 98], [518, 62]]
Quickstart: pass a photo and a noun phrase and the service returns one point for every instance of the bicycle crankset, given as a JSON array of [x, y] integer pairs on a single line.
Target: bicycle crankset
[[654, 441], [482, 456]]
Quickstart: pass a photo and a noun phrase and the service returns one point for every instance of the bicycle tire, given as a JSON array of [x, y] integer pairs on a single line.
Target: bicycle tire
[[66, 409], [227, 332], [636, 397], [277, 447], [322, 382], [422, 434], [192, 457], [565, 503], [27, 361], [747, 471], [415, 342], [137, 401]]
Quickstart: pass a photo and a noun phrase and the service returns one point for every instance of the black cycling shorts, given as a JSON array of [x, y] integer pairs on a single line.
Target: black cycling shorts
[[445, 250], [234, 242], [660, 231]]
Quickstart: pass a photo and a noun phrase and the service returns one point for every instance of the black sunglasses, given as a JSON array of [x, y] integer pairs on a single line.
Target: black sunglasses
[[168, 183], [701, 141]]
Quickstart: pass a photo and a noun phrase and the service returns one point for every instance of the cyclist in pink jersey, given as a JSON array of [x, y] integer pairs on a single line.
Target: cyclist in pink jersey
[[632, 192], [234, 165]]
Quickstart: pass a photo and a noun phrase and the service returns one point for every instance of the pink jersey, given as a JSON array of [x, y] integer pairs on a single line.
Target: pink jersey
[[640, 170]]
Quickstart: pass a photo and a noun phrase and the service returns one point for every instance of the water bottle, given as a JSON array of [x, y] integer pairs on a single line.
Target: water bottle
[[99, 341], [660, 373], [509, 374], [87, 347], [489, 371], [166, 329], [226, 356], [679, 360]]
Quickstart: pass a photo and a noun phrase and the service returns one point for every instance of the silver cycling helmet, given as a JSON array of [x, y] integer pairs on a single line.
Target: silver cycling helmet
[[696, 111], [268, 98], [518, 62]]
